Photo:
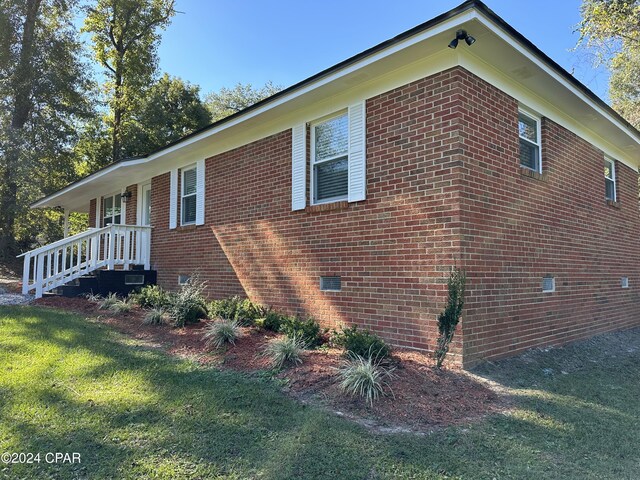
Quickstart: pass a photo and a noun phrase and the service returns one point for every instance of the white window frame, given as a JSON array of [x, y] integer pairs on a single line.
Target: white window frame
[[613, 179], [312, 188], [538, 120], [103, 210], [183, 196]]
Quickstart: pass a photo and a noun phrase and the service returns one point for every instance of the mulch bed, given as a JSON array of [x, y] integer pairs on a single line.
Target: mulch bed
[[419, 397]]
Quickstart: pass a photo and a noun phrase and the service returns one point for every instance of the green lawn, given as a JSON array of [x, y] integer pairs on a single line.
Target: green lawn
[[70, 385]]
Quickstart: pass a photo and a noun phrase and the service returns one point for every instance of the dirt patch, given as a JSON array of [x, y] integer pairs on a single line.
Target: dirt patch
[[9, 280], [419, 397]]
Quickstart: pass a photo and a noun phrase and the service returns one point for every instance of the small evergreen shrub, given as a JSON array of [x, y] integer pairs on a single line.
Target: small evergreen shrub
[[152, 296], [221, 332], [108, 302], [449, 318], [272, 321], [361, 342], [306, 330], [281, 351], [156, 316], [241, 310], [364, 377], [188, 305]]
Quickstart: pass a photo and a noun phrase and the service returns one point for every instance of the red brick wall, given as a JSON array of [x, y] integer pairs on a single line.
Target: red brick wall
[[444, 188], [390, 250], [92, 213], [518, 229]]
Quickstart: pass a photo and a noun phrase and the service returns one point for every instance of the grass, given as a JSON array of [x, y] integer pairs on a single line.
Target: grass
[[71, 385]]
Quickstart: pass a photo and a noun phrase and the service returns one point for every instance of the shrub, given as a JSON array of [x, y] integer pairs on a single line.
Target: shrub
[[108, 301], [155, 316], [121, 306], [449, 318], [241, 310], [306, 330], [222, 331], [361, 342], [188, 305], [152, 296], [272, 321], [284, 350], [365, 377]]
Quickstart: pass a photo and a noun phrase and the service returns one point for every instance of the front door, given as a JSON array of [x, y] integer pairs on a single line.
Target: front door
[[146, 204]]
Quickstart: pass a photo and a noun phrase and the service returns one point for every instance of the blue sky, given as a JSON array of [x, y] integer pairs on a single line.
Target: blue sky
[[219, 43]]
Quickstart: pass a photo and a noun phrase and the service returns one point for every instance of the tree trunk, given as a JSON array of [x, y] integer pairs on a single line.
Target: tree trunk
[[21, 86]]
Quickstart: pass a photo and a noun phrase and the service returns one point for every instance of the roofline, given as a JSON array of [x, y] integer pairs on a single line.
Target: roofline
[[467, 5]]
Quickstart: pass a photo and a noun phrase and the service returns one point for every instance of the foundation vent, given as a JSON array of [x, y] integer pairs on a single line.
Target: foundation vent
[[330, 284], [548, 284]]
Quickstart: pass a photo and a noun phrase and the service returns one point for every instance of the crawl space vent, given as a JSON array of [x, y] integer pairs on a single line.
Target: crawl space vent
[[330, 284]]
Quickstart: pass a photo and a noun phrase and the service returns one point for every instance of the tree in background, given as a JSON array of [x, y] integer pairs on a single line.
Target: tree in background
[[232, 100], [170, 110], [125, 38], [42, 96], [612, 29]]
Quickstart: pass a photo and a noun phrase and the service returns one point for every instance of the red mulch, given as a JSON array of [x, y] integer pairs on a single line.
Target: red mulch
[[419, 397]]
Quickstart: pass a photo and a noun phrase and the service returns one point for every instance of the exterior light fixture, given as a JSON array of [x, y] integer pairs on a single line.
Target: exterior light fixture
[[462, 35], [126, 196]]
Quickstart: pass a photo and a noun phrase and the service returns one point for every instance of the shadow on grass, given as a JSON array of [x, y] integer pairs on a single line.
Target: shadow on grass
[[70, 385]]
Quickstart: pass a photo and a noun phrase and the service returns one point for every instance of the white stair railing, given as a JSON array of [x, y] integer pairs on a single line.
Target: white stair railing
[[61, 262]]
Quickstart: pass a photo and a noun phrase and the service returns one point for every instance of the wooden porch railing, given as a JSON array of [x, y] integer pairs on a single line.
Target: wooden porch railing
[[58, 263]]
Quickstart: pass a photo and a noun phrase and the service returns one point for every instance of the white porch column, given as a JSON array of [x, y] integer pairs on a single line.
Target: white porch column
[[65, 227]]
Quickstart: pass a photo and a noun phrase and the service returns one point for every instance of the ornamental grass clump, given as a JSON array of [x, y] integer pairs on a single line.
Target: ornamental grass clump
[[156, 316], [449, 318], [121, 306], [108, 302], [284, 350], [364, 377], [221, 332]]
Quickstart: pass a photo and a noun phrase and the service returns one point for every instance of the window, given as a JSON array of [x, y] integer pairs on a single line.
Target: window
[[112, 210], [330, 160], [188, 196], [548, 284], [529, 131], [330, 284], [134, 279], [610, 179]]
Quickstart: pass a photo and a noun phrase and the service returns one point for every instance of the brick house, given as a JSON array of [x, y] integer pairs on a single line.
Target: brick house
[[349, 196]]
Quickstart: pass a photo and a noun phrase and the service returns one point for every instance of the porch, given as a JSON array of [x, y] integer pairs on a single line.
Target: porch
[[114, 247]]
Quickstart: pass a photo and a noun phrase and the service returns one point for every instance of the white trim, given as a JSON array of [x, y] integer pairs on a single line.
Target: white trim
[[313, 163], [65, 224], [357, 165], [173, 199], [200, 189], [113, 196], [98, 212], [536, 118], [299, 167], [613, 178], [123, 207], [188, 168]]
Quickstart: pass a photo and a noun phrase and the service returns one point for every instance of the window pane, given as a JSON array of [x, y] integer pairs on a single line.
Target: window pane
[[608, 170], [332, 138], [147, 204], [610, 187], [332, 179], [528, 128], [529, 155], [189, 209], [116, 220], [108, 207], [189, 182]]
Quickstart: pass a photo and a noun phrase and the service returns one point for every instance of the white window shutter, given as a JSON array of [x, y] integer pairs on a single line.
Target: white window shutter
[[173, 199], [357, 153], [200, 192], [299, 167], [98, 212]]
